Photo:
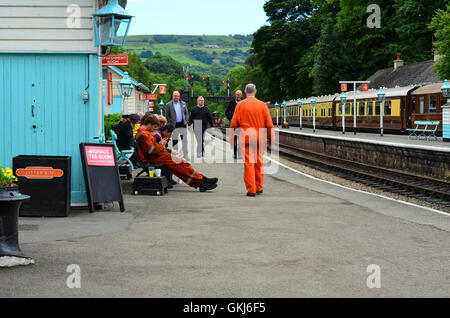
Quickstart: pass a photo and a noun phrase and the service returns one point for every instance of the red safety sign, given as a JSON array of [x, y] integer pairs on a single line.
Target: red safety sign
[[150, 106], [162, 89], [110, 89], [151, 97], [344, 87], [116, 59], [365, 87]]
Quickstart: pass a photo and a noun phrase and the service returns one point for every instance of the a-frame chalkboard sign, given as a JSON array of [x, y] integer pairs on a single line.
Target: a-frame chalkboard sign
[[101, 174]]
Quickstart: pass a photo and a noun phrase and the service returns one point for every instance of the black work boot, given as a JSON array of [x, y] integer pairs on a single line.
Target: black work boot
[[205, 186], [210, 180]]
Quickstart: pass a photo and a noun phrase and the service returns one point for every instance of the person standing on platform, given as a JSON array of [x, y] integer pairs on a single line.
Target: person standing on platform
[[253, 118], [229, 112], [201, 116], [177, 115]]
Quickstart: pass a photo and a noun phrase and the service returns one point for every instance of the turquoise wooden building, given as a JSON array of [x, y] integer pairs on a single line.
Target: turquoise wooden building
[[51, 81]]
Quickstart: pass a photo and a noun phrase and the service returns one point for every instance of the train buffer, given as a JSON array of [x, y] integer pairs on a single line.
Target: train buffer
[[429, 130]]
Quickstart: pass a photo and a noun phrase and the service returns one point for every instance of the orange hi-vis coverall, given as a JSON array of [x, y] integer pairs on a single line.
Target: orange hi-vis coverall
[[253, 118], [153, 152]]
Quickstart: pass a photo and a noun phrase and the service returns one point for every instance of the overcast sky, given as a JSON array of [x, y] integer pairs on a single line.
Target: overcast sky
[[196, 17]]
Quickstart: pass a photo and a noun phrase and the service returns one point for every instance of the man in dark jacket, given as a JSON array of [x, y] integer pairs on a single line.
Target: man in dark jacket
[[229, 112], [200, 115]]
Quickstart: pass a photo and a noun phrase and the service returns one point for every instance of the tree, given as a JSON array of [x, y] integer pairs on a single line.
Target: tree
[[163, 64], [281, 53], [146, 54], [440, 24], [410, 21]]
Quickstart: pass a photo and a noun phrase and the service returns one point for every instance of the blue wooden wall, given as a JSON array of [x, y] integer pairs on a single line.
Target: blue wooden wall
[[54, 85]]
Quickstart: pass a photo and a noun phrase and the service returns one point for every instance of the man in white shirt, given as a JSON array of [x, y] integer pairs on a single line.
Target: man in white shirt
[[177, 115]]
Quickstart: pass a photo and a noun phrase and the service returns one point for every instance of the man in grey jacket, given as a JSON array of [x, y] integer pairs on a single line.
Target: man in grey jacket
[[177, 114]]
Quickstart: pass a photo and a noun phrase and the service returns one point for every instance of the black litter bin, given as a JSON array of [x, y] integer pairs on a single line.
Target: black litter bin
[[46, 179]]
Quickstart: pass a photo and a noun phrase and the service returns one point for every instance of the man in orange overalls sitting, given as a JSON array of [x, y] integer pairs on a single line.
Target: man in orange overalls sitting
[[253, 118], [153, 152]]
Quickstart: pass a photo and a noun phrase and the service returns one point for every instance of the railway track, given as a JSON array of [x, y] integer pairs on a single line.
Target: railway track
[[419, 187], [423, 188]]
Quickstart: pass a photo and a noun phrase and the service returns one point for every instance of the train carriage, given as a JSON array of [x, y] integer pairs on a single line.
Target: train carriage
[[426, 103], [402, 106], [368, 109]]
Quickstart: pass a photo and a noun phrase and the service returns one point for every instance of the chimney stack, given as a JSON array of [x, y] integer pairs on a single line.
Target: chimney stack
[[398, 62]]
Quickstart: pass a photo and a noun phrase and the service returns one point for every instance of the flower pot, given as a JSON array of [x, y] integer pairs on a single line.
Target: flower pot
[[10, 202]]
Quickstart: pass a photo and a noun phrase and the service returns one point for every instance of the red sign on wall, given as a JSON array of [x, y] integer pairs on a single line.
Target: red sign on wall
[[344, 87], [100, 156], [115, 59], [162, 89], [150, 106], [151, 97]]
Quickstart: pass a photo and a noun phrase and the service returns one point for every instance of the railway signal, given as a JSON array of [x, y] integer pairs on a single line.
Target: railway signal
[[228, 85], [207, 84]]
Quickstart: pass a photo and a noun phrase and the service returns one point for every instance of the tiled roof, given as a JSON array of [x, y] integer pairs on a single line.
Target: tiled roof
[[417, 74]]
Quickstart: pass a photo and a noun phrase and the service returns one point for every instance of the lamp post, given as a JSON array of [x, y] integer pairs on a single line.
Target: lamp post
[[446, 112], [445, 88], [300, 103], [111, 23], [284, 105], [125, 88], [381, 97], [343, 101], [276, 107], [161, 106], [313, 104]]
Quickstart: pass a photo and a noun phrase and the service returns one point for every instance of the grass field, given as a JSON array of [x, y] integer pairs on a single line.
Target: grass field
[[227, 53]]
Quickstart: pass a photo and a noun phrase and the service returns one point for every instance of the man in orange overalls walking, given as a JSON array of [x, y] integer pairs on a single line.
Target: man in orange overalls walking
[[253, 119], [153, 152]]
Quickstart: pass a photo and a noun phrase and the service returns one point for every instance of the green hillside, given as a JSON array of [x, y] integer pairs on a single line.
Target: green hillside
[[207, 55]]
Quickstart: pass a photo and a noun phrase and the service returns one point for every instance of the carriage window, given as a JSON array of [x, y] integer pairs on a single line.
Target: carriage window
[[348, 109], [329, 112], [432, 104], [377, 108], [387, 108], [414, 104], [340, 109], [361, 108], [369, 108], [421, 105]]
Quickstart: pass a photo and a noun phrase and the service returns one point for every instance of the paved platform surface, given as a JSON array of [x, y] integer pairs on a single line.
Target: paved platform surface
[[301, 238], [387, 138]]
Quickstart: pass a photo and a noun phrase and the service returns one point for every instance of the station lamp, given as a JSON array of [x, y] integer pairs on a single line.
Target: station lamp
[[276, 107], [125, 86], [161, 106], [284, 105], [300, 103], [381, 97], [111, 23], [445, 88], [343, 98], [313, 104]]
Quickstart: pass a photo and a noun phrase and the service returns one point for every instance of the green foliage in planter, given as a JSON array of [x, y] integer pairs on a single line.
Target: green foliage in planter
[[110, 121]]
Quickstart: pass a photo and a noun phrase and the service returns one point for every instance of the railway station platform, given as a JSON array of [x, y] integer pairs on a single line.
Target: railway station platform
[[302, 238], [396, 152], [389, 139]]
